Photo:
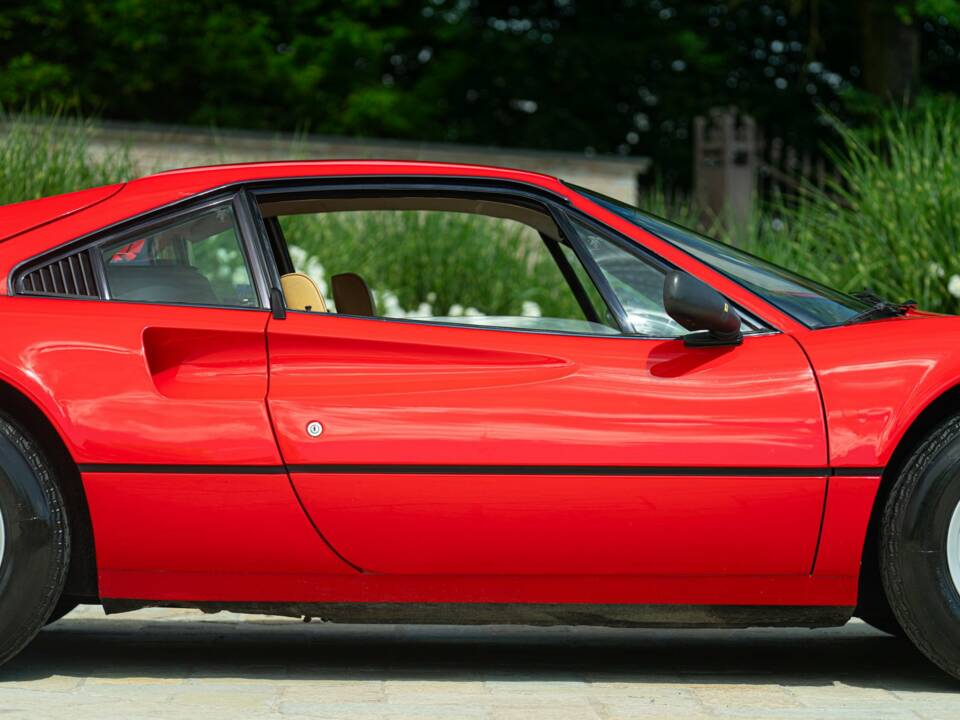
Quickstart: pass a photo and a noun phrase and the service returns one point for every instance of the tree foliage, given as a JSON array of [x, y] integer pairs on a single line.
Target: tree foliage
[[610, 76]]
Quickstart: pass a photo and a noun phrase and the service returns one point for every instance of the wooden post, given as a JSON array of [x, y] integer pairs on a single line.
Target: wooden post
[[725, 157]]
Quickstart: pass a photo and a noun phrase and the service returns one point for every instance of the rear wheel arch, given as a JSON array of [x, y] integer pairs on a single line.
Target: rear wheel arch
[[872, 602], [81, 583]]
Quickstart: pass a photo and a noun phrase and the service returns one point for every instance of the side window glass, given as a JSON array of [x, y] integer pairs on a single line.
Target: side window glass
[[637, 284], [446, 266], [596, 300], [196, 261]]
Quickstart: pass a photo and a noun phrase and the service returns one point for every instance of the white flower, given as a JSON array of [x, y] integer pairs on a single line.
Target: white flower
[[936, 270], [424, 310], [953, 286], [530, 309]]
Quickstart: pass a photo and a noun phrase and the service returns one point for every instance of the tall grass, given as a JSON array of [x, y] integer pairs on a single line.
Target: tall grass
[[47, 155], [891, 222]]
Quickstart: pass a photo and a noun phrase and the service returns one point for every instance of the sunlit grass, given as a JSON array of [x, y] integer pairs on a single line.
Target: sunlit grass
[[47, 155], [440, 263]]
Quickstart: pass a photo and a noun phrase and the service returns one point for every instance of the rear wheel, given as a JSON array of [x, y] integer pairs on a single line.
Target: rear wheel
[[34, 539], [920, 547], [883, 620]]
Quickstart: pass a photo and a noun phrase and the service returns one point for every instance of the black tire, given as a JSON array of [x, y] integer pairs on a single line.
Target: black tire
[[884, 622], [873, 607], [913, 547], [64, 605], [33, 566]]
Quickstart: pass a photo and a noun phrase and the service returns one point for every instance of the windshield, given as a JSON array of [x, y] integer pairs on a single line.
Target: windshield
[[811, 303]]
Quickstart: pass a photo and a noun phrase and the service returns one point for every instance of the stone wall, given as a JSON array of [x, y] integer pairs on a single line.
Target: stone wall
[[162, 148]]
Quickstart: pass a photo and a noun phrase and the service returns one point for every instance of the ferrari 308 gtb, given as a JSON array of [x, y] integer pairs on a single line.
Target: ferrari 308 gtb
[[239, 387]]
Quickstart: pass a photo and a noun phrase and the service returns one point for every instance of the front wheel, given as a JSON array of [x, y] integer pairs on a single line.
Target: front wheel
[[63, 607], [34, 539], [920, 547]]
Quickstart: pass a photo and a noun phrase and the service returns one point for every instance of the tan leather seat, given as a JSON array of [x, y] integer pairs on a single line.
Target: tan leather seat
[[352, 295], [302, 293]]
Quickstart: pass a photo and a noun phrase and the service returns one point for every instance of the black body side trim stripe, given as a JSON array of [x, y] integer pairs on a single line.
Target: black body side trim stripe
[[185, 469], [856, 472], [585, 470], [627, 470]]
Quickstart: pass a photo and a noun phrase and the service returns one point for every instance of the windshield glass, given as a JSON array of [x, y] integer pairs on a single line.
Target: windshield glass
[[811, 303]]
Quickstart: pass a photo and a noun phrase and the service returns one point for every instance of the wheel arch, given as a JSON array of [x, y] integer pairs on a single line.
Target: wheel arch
[[81, 582], [947, 403]]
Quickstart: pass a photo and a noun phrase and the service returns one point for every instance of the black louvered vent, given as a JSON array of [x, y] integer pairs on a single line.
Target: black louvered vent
[[71, 275]]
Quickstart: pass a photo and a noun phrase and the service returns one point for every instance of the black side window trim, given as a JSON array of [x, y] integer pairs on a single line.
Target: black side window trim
[[250, 221], [506, 192], [558, 207], [644, 254], [145, 225], [594, 272], [253, 233]]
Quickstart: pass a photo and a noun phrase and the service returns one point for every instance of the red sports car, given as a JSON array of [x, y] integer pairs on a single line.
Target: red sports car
[[239, 387]]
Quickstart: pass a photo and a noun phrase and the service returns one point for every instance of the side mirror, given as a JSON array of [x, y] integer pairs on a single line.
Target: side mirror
[[698, 307]]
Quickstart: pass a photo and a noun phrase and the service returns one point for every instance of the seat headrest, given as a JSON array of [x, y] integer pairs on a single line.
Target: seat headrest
[[302, 293], [352, 295]]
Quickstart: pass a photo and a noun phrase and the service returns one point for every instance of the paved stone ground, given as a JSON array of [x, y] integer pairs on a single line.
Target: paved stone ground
[[180, 664]]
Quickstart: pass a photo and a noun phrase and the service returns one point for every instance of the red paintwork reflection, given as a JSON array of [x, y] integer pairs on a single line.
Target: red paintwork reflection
[[568, 525], [242, 524], [194, 394], [877, 377], [845, 520], [21, 217], [394, 393], [410, 393]]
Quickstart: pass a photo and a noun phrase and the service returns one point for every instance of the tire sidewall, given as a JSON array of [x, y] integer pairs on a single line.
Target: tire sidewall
[[916, 573], [36, 549]]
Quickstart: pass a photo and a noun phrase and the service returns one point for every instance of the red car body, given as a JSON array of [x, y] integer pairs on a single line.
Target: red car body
[[458, 465]]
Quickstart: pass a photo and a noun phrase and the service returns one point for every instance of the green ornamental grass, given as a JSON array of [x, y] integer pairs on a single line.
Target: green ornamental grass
[[891, 221], [47, 155]]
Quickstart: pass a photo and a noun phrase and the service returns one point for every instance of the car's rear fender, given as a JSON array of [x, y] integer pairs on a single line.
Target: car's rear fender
[[25, 411]]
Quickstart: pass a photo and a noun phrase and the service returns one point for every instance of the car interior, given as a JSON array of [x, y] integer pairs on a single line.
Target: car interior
[[195, 262], [351, 292], [333, 263]]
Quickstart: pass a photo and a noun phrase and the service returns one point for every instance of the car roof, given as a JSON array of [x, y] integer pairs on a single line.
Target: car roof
[[193, 180], [32, 227], [158, 189]]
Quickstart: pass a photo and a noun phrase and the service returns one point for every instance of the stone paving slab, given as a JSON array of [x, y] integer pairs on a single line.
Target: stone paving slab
[[184, 664]]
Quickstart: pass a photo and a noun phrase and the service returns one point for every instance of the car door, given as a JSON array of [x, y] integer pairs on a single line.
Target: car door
[[427, 448]]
